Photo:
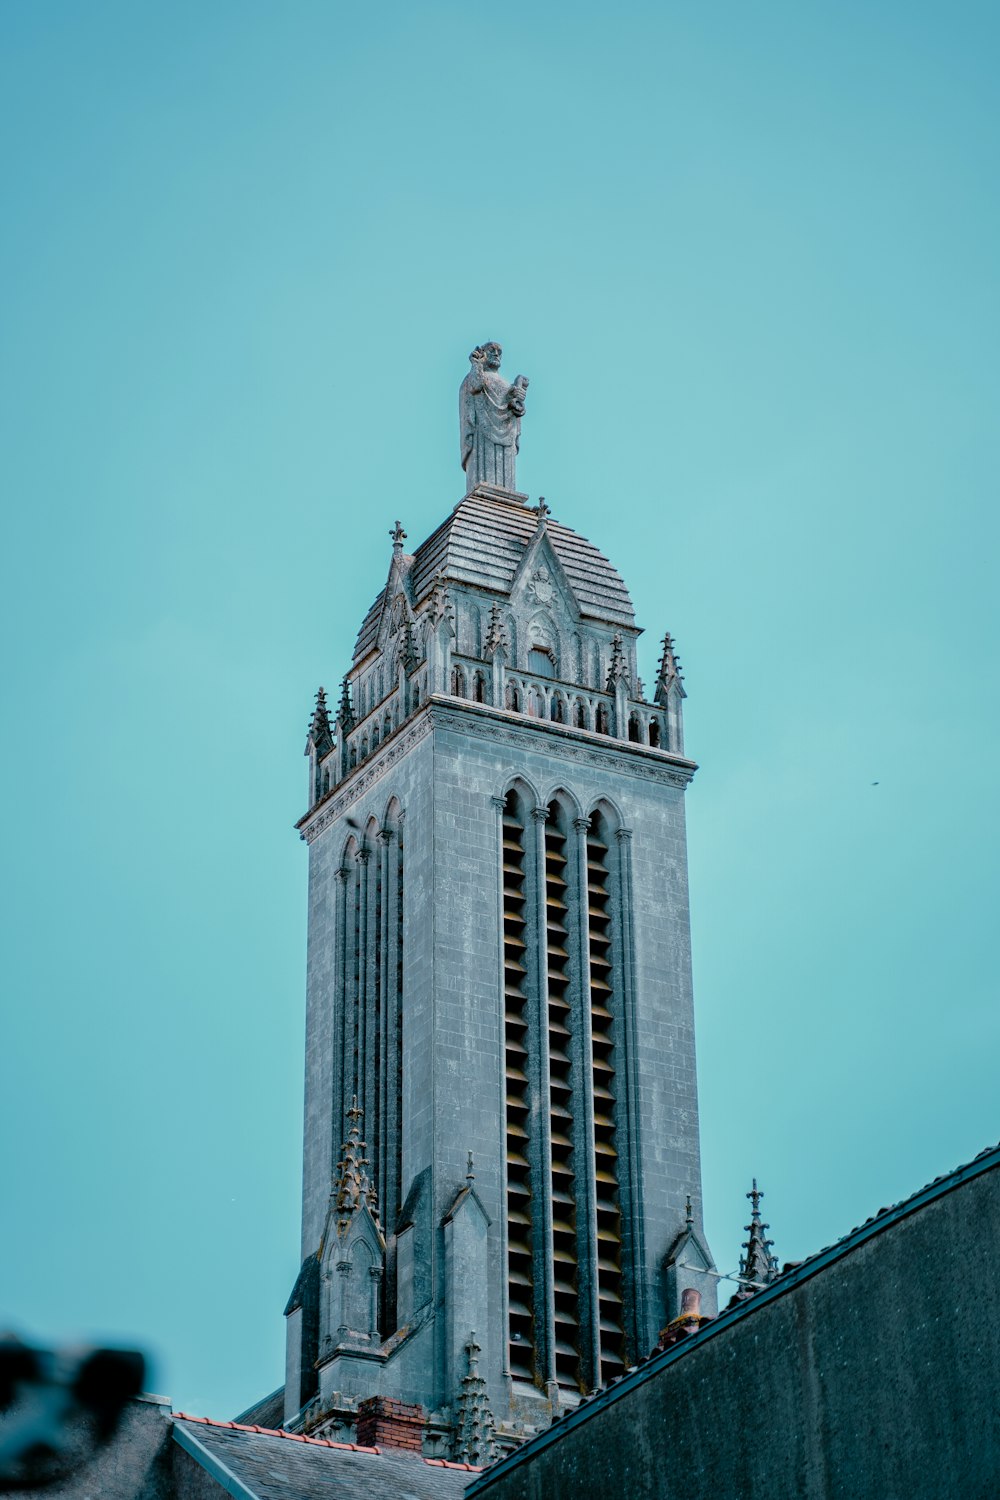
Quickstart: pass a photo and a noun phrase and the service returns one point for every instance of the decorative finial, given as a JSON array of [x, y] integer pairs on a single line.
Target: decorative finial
[[475, 1432], [440, 607], [353, 1186], [543, 509], [407, 646], [689, 1213], [618, 670], [320, 729], [496, 632], [345, 712], [758, 1267], [489, 414], [398, 537], [668, 674], [470, 1177]]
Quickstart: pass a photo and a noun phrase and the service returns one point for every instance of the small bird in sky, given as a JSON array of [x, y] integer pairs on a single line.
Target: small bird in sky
[[874, 783]]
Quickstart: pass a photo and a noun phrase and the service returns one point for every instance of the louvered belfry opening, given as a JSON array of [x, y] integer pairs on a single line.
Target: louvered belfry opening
[[561, 1101], [520, 1238], [603, 1003]]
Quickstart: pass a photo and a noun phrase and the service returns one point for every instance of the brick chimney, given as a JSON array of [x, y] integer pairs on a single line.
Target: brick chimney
[[689, 1321], [384, 1422]]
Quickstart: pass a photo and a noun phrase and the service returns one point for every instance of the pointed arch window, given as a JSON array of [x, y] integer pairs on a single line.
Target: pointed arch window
[[606, 1057], [518, 1057]]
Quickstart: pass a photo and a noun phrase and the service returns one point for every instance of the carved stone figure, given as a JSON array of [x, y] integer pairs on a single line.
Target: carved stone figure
[[490, 412]]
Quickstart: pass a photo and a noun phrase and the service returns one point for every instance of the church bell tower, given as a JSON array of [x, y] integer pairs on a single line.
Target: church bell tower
[[501, 1182]]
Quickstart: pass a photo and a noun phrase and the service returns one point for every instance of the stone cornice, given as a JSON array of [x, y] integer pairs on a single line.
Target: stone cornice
[[360, 780], [482, 721]]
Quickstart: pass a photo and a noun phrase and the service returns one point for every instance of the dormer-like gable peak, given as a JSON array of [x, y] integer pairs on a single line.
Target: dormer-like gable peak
[[483, 544]]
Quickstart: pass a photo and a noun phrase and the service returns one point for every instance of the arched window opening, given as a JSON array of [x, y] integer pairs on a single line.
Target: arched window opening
[[604, 981], [558, 875], [556, 709], [513, 698], [387, 726], [517, 1015], [326, 783], [353, 756], [541, 662], [580, 717], [416, 695], [457, 682], [634, 729], [375, 738], [479, 688], [603, 723], [654, 733], [364, 747]]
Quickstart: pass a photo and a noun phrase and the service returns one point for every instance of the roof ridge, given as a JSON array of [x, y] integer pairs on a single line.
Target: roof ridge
[[295, 1437], [298, 1437]]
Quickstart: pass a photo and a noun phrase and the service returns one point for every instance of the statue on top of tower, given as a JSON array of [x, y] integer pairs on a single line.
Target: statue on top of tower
[[489, 413]]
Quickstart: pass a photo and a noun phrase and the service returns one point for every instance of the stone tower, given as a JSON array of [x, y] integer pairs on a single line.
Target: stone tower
[[501, 1122]]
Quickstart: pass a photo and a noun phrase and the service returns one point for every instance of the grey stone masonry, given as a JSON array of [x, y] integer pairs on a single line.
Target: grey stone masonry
[[498, 964]]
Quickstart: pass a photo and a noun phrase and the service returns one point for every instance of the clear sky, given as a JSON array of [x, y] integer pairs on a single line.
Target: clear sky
[[747, 255]]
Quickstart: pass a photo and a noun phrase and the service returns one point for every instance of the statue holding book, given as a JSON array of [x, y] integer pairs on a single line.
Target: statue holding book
[[490, 413]]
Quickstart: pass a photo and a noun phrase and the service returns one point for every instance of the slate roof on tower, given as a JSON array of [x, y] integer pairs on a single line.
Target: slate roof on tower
[[481, 544]]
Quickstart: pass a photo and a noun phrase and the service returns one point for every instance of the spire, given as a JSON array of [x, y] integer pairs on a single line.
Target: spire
[[758, 1267], [320, 728], [345, 713], [352, 1186], [668, 673], [496, 633], [618, 671], [475, 1433], [398, 538]]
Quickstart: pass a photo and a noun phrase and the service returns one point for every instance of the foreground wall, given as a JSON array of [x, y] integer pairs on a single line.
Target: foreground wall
[[870, 1371]]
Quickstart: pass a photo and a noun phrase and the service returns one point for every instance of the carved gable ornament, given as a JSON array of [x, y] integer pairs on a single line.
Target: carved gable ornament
[[540, 586], [397, 615], [540, 581]]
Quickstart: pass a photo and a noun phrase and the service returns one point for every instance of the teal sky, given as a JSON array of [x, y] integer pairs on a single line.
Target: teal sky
[[748, 257]]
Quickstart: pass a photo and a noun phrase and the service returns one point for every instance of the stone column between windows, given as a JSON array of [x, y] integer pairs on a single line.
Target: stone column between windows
[[339, 1009], [545, 1305], [386, 986], [638, 1334], [586, 1177], [369, 916], [362, 981], [499, 803]]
